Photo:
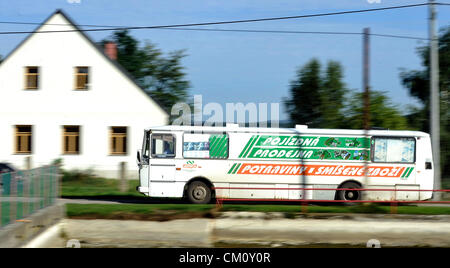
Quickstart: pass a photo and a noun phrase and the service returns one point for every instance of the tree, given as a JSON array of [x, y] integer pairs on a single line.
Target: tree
[[382, 112], [162, 77], [418, 84], [304, 104], [316, 99], [332, 96]]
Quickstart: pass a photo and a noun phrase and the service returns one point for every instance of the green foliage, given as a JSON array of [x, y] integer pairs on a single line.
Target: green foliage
[[382, 114], [57, 162], [304, 104], [161, 76], [317, 99], [333, 96]]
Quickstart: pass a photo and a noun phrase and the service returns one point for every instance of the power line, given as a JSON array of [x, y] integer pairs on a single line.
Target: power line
[[220, 22], [322, 14], [289, 32], [295, 32]]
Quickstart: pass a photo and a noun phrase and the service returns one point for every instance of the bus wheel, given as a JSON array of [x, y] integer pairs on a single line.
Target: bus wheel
[[199, 193], [350, 195]]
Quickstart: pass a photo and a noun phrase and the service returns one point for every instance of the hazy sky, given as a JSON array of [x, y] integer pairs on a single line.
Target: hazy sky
[[252, 67]]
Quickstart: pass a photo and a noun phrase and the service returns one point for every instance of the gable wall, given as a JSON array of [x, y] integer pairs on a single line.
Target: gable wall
[[112, 100]]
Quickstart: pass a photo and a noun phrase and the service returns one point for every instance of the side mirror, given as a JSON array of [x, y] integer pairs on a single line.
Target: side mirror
[[139, 156]]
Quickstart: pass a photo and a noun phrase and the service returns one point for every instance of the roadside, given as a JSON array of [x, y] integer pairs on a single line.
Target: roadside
[[257, 229]]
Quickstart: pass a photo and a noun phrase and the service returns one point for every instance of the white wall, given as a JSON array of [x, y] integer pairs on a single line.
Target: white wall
[[112, 100]]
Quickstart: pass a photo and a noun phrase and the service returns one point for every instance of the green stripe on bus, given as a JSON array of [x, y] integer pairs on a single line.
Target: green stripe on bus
[[404, 172], [237, 168], [213, 143], [217, 149], [222, 147], [404, 175], [231, 169], [246, 146], [223, 153], [409, 173], [251, 146]]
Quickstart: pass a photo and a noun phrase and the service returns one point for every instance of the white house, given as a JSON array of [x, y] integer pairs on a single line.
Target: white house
[[63, 97]]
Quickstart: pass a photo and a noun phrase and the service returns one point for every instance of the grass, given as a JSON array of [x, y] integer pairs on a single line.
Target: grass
[[82, 184], [173, 211], [160, 212]]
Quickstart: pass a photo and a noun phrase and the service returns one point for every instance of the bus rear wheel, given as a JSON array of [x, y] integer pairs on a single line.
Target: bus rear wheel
[[199, 193], [349, 194]]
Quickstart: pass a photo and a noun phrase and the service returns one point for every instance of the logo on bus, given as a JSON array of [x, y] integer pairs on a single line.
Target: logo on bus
[[307, 147], [191, 165]]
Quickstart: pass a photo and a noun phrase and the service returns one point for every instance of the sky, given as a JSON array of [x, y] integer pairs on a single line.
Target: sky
[[230, 67]]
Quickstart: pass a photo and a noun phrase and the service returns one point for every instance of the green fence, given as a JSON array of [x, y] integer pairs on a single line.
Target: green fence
[[24, 192]]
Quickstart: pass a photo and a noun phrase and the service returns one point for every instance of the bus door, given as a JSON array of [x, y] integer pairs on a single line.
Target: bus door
[[424, 165], [144, 161], [162, 158]]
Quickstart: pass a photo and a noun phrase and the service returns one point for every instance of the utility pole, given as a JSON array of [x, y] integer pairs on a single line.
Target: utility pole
[[366, 85], [366, 77], [434, 99]]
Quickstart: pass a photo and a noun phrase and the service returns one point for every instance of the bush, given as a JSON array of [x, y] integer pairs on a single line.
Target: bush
[[77, 175]]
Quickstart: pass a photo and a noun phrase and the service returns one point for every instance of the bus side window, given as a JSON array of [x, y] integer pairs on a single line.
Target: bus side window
[[393, 150], [146, 149], [163, 146], [205, 146]]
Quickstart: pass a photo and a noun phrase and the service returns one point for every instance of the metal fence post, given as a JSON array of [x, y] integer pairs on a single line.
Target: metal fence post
[[304, 206], [28, 162], [393, 207], [1, 200], [37, 190], [13, 197], [19, 195], [6, 200], [26, 192], [123, 180]]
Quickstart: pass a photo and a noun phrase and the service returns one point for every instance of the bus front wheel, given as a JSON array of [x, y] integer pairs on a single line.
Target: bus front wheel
[[199, 193]]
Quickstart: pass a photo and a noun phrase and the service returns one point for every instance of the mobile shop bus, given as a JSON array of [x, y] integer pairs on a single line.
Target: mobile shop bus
[[201, 163]]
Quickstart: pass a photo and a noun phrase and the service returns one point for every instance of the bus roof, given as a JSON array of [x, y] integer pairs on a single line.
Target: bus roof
[[300, 129]]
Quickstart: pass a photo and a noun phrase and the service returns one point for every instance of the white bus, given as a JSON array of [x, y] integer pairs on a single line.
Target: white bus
[[201, 163]]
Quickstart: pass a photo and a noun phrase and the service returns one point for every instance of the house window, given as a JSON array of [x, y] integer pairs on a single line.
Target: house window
[[118, 140], [31, 77], [81, 78], [23, 136], [71, 140]]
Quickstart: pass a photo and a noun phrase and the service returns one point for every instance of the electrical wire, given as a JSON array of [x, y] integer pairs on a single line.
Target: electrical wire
[[107, 28]]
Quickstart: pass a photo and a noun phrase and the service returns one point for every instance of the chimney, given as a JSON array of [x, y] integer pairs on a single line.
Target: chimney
[[111, 50]]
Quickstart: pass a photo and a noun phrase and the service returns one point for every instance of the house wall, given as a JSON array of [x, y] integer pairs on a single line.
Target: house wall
[[112, 100]]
